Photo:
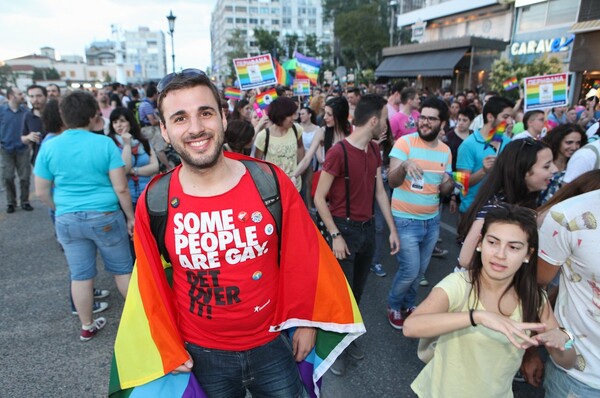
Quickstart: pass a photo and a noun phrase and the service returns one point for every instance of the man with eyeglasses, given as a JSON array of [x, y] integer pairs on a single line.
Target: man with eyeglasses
[[420, 167], [237, 279], [590, 114]]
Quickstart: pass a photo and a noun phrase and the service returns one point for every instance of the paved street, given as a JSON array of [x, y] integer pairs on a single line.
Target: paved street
[[39, 339]]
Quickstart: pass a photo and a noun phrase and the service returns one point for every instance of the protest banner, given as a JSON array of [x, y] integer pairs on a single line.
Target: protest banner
[[543, 92], [255, 72]]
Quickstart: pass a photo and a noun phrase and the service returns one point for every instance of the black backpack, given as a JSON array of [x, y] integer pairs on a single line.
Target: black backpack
[[157, 200]]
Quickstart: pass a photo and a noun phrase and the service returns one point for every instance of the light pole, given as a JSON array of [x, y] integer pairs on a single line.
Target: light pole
[[171, 19], [392, 4]]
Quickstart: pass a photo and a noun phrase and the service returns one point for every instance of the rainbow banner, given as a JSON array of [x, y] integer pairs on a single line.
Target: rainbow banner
[[264, 99], [233, 93], [496, 134], [510, 84], [301, 87], [461, 181], [255, 72], [307, 68], [543, 92], [283, 76], [312, 292]]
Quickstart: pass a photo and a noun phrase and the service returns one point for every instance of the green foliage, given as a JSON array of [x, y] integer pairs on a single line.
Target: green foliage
[[311, 47], [268, 42], [45, 74], [503, 69], [291, 43], [363, 34], [237, 45], [7, 78]]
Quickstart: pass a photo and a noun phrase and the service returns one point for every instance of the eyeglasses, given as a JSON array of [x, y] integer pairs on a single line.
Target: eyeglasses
[[190, 72], [430, 119], [527, 141]]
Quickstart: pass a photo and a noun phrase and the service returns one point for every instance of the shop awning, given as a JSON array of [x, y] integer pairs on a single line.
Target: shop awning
[[435, 63], [586, 26]]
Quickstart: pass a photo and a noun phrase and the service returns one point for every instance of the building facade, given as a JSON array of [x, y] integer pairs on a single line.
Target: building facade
[[288, 17]]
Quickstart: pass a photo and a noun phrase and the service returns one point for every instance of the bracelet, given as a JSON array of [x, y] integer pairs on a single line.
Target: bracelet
[[471, 317], [335, 234], [569, 343]]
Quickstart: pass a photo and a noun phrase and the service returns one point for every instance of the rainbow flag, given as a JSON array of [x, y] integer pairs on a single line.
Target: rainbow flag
[[283, 76], [233, 93], [510, 83], [264, 99], [543, 92], [495, 134], [255, 72], [461, 181], [307, 68], [313, 292]]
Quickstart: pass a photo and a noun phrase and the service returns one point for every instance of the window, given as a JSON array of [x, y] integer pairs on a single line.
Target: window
[[275, 22], [229, 20], [286, 22], [312, 23], [63, 73], [240, 9], [72, 73], [228, 8], [550, 13], [274, 11], [264, 10], [286, 10], [253, 10], [253, 21], [241, 20]]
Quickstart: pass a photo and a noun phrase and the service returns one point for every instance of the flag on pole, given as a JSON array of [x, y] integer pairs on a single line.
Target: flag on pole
[[233, 93], [265, 99], [307, 68], [510, 83], [495, 134], [283, 76]]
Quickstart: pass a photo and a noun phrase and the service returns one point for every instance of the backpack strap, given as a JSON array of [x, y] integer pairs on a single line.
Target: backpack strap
[[595, 150], [264, 177], [346, 180], [268, 134], [157, 203]]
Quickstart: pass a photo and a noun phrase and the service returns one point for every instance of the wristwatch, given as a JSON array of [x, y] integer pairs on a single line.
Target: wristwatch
[[335, 234], [569, 343]]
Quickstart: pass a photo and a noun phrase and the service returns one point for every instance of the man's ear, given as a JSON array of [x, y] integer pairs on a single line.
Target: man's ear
[[163, 132]]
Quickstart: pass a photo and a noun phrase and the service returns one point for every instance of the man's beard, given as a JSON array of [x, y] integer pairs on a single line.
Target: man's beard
[[207, 160], [432, 136]]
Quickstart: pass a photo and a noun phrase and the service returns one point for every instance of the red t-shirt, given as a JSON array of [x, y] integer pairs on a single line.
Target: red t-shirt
[[362, 171], [223, 250]]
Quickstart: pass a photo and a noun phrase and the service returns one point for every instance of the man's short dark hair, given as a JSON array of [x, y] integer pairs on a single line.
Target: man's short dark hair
[[397, 87], [467, 112], [369, 105], [181, 82], [77, 108], [34, 86], [528, 115], [281, 108], [115, 86], [355, 91], [54, 85], [436, 103], [151, 91], [10, 92], [495, 106], [407, 93]]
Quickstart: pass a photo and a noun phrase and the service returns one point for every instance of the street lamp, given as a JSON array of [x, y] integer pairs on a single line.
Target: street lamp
[[392, 4], [171, 19]]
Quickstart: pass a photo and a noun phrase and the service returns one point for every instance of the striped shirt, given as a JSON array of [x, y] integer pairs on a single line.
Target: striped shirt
[[420, 200]]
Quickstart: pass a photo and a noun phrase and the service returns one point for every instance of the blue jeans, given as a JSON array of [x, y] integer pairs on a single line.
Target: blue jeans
[[417, 240], [379, 230], [83, 233], [266, 371], [558, 384]]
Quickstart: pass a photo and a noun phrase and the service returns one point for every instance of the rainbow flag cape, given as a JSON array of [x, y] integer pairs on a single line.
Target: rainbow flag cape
[[461, 181], [283, 76], [307, 68], [312, 292], [510, 83], [495, 134], [233, 93], [264, 99]]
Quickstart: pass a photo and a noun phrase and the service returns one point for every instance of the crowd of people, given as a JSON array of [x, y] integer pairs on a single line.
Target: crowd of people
[[355, 162]]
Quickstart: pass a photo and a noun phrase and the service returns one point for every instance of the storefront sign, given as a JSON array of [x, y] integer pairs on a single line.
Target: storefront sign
[[418, 31], [542, 46], [543, 92]]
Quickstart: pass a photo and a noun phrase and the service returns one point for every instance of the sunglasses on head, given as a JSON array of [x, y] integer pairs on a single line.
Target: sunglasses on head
[[190, 72]]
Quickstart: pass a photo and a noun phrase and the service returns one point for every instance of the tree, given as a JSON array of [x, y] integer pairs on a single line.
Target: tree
[[311, 47], [7, 78], [268, 42], [291, 43], [238, 46], [362, 34], [503, 69], [45, 74]]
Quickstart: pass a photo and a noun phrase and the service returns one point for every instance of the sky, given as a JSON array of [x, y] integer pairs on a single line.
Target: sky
[[69, 26]]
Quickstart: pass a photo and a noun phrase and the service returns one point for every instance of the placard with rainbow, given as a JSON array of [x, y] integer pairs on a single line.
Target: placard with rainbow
[[543, 92], [255, 72]]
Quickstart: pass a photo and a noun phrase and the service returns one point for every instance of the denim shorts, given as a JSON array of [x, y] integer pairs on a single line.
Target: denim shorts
[[83, 233], [558, 384]]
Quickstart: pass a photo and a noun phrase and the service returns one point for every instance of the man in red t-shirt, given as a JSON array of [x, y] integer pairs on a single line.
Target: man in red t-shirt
[[349, 215], [223, 246]]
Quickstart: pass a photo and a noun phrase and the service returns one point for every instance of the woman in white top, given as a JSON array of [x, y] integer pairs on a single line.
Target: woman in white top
[[307, 121]]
